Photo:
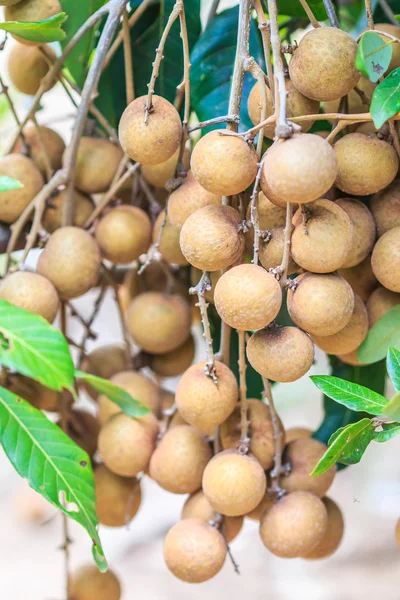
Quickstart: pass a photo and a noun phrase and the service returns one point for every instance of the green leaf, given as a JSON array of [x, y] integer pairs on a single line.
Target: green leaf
[[373, 56], [385, 333], [392, 409], [51, 462], [354, 396], [393, 367], [389, 431], [116, 394], [8, 183], [31, 346], [42, 32], [386, 99], [293, 8]]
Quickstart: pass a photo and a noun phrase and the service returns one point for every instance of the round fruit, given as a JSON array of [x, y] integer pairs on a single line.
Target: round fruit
[[202, 402], [366, 164], [247, 297], [223, 164], [234, 483], [188, 198], [175, 362], [300, 169], [105, 362], [35, 393], [260, 509], [355, 103], [158, 175], [169, 247], [117, 498], [194, 551], [8, 2], [155, 141], [24, 170], [271, 252], [351, 358], [71, 260], [322, 245], [198, 507], [303, 456], [52, 218], [334, 533], [392, 30], [32, 10], [379, 303], [281, 353], [386, 260], [297, 433], [83, 428], [323, 67], [295, 525], [210, 238], [123, 234], [96, 164], [32, 292], [42, 141], [385, 208], [397, 533], [361, 278], [364, 230], [270, 217], [89, 584], [158, 323]]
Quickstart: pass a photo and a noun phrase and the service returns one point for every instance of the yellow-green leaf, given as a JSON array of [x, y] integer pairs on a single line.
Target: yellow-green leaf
[[42, 32]]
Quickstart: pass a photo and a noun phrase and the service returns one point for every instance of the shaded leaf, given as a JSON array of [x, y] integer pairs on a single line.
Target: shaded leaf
[[294, 9], [386, 99], [385, 333], [392, 409], [388, 431], [42, 32], [354, 396], [8, 183], [373, 56], [393, 367]]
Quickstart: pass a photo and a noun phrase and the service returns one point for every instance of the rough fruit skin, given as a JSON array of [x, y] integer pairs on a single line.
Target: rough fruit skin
[[52, 218], [260, 509], [194, 551], [158, 175], [392, 30], [297, 433], [323, 66], [334, 532], [157, 140], [210, 240], [271, 252], [361, 278], [158, 323], [89, 584], [71, 260], [175, 362], [351, 358], [356, 103], [96, 164], [323, 244], [104, 361], [52, 142], [224, 165], [379, 303], [303, 456], [295, 525], [386, 260], [169, 246], [364, 233], [201, 402], [321, 304], [281, 354], [32, 10], [13, 202], [32, 292], [198, 507], [247, 297], [350, 337], [366, 164], [8, 2], [123, 234], [234, 483], [385, 208], [117, 498], [188, 198], [298, 170], [178, 462]]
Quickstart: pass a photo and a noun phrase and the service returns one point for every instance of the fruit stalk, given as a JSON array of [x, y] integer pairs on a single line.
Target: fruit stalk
[[200, 289], [283, 130], [186, 78], [130, 89], [368, 10], [244, 421], [330, 11], [242, 53], [265, 30], [278, 439], [310, 14]]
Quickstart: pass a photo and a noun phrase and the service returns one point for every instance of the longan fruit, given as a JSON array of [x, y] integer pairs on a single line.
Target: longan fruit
[[321, 304], [159, 174], [297, 433], [96, 164], [194, 551], [295, 525], [71, 260], [39, 137], [379, 303], [303, 456], [202, 402], [123, 234], [385, 260], [198, 507], [52, 217], [270, 217], [271, 251], [361, 278], [364, 230], [117, 498], [299, 170], [323, 67], [260, 509], [158, 323], [234, 483], [324, 242], [8, 2], [35, 393], [261, 432], [397, 533], [188, 198], [31, 292], [247, 297], [195, 276], [281, 354], [210, 238], [32, 10], [334, 532], [155, 141], [83, 428], [355, 103], [89, 584], [104, 361], [126, 444], [351, 358], [385, 208], [395, 31], [23, 169], [366, 164], [223, 164], [175, 362], [131, 286], [178, 462], [169, 247]]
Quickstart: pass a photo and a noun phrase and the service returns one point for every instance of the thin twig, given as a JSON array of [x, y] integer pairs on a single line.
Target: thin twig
[[265, 30], [395, 136], [130, 90], [254, 216], [242, 53], [309, 14], [215, 121], [213, 12], [278, 440], [388, 12], [4, 90], [332, 16], [368, 10], [186, 78], [200, 289], [244, 442], [283, 268], [96, 309]]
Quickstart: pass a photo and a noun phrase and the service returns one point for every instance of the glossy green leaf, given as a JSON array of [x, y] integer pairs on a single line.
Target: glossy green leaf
[[42, 32], [392, 409], [393, 367], [354, 396], [387, 432], [51, 462], [31, 346], [8, 183], [386, 99], [116, 394], [385, 333], [373, 56], [293, 8]]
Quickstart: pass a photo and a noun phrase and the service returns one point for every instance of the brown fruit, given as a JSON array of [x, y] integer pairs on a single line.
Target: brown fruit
[[175, 362], [195, 276], [355, 103], [385, 260], [117, 498], [31, 292], [130, 287], [299, 170], [385, 208], [155, 141], [39, 138], [303, 456], [71, 260], [260, 509], [210, 239], [234, 483], [158, 323], [105, 361], [392, 30], [123, 234], [281, 353], [295, 525], [188, 198], [52, 218], [379, 303], [351, 358], [364, 230], [397, 533], [194, 551], [334, 532], [38, 395], [198, 507], [270, 217], [323, 66], [204, 403], [178, 462], [8, 2], [350, 337], [224, 165], [321, 304], [83, 428], [89, 584], [159, 174], [24, 170], [271, 252], [365, 164], [324, 242], [169, 247], [297, 433], [247, 297], [96, 164], [361, 278], [32, 10]]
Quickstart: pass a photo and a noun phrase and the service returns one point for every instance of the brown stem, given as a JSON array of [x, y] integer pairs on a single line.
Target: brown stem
[[283, 269], [309, 14], [152, 253], [63, 399], [370, 18], [265, 30], [278, 440], [215, 121], [186, 78], [130, 90], [96, 309], [242, 53], [244, 421], [395, 136], [258, 234], [283, 129], [200, 289]]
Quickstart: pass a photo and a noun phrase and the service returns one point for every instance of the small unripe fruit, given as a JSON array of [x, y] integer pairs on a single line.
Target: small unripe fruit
[[386, 260], [32, 292], [334, 532], [271, 251], [175, 362], [158, 175], [303, 456], [26, 68], [385, 208], [52, 218], [96, 164], [361, 278], [260, 509], [117, 498], [123, 234], [104, 361], [188, 198], [39, 137], [364, 230], [297, 433], [379, 303], [198, 507], [23, 169], [169, 247], [89, 584]]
